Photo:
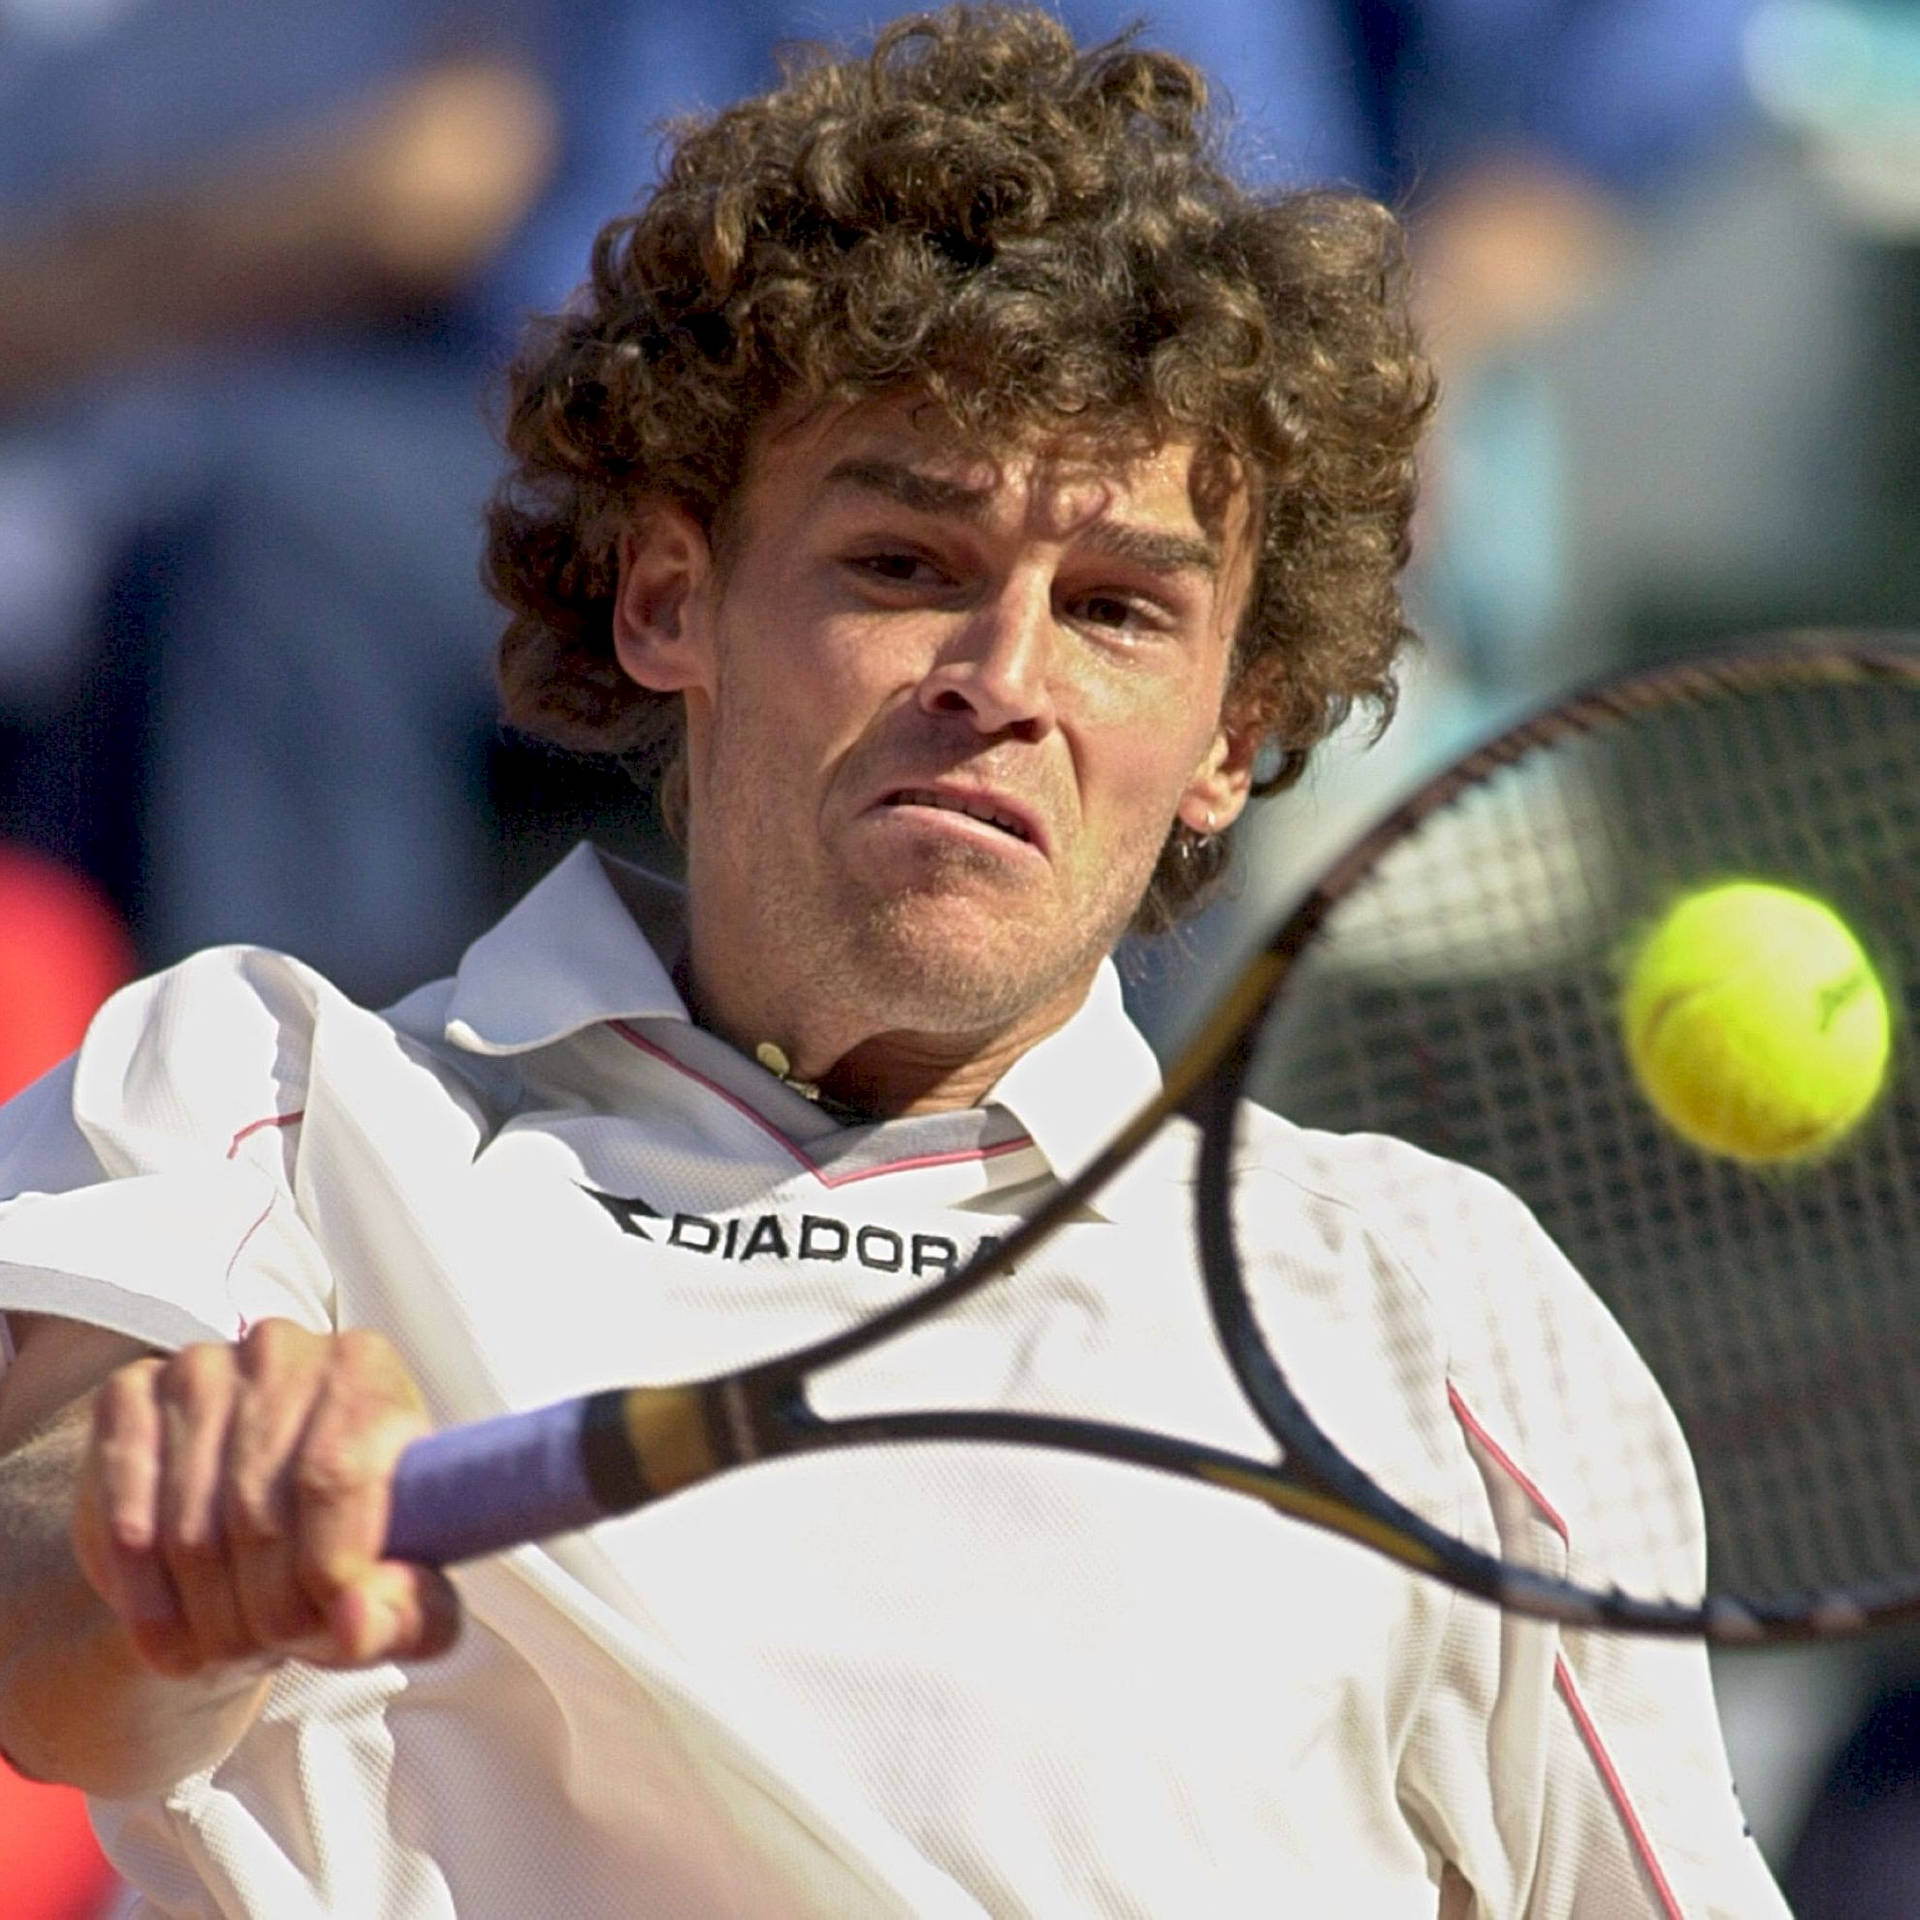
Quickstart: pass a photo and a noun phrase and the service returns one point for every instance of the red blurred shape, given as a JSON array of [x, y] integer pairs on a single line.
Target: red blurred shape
[[50, 1866], [62, 951]]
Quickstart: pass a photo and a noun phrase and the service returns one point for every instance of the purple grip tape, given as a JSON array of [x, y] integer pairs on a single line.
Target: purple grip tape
[[477, 1490]]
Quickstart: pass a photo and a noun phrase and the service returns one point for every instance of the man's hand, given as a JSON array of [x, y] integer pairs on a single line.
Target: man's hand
[[232, 1503]]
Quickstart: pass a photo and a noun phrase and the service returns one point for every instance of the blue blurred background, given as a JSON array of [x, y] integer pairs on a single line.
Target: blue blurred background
[[260, 263]]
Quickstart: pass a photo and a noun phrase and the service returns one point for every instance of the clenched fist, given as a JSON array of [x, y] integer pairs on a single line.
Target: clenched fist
[[233, 1501]]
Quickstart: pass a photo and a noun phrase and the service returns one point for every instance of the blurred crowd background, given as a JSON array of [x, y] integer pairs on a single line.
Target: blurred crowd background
[[261, 262]]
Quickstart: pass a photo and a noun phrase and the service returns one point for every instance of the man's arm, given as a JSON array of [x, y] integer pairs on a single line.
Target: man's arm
[[172, 1527]]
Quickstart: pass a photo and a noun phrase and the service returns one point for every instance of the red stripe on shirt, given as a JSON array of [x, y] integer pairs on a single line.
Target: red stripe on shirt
[[252, 1127], [1616, 1788], [1637, 1837], [1505, 1461], [266, 1213], [773, 1133]]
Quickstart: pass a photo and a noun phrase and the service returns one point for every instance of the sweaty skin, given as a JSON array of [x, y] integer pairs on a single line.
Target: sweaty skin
[[942, 709]]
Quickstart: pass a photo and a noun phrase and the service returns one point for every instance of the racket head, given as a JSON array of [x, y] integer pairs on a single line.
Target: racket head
[[1455, 982]]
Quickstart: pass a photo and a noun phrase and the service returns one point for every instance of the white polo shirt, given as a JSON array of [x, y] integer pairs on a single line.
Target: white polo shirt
[[931, 1680]]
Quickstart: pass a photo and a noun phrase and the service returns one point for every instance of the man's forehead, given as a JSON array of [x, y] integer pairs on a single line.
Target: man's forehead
[[915, 453]]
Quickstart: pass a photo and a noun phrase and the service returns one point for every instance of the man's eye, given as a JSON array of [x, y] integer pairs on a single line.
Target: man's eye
[[1113, 610], [904, 569]]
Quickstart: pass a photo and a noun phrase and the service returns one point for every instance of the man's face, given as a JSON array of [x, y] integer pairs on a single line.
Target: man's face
[[942, 709]]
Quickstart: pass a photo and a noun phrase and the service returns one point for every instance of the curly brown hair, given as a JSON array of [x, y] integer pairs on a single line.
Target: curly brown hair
[[1041, 238]]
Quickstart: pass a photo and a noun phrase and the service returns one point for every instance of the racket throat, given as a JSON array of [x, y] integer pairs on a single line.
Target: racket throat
[[739, 1423]]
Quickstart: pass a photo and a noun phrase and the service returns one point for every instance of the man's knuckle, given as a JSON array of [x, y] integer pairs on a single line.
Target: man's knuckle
[[360, 1345], [124, 1396], [273, 1346], [330, 1468], [368, 1361], [198, 1379]]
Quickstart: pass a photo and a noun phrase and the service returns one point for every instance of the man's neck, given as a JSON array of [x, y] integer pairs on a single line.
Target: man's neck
[[857, 1072]]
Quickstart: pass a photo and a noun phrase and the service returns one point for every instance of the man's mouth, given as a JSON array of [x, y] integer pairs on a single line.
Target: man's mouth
[[993, 813]]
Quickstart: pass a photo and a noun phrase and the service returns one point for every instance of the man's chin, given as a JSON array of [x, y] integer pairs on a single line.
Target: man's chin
[[945, 958]]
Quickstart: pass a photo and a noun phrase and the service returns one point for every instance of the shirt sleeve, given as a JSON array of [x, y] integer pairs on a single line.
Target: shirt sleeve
[[146, 1184], [1610, 1792]]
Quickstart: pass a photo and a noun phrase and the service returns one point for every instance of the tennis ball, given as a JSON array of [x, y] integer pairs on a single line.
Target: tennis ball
[[1755, 1022]]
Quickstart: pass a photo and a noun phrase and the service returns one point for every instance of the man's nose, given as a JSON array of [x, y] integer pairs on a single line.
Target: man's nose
[[998, 669]]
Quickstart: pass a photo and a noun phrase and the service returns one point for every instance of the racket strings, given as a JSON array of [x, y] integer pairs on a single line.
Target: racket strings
[[1464, 995]]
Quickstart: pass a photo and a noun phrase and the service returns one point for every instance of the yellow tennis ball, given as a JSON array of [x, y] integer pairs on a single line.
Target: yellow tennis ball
[[1755, 1022]]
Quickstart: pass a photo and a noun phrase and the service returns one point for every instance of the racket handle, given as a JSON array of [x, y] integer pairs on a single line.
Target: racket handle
[[471, 1491]]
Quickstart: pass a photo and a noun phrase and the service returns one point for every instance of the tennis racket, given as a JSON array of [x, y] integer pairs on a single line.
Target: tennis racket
[[1454, 980]]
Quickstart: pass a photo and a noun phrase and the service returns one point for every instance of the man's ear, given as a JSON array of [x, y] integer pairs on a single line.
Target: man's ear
[[1217, 793], [660, 632]]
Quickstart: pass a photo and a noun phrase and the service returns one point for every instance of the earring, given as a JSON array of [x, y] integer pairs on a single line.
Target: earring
[[1191, 842]]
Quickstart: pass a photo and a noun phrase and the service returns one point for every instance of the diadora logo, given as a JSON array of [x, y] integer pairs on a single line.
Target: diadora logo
[[778, 1236]]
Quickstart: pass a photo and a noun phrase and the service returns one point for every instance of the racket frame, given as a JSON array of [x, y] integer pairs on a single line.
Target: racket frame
[[640, 1444]]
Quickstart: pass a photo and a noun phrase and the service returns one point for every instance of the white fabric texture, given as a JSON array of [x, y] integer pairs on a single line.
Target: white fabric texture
[[936, 1680]]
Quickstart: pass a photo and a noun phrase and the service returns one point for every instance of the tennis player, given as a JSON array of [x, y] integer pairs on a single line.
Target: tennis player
[[967, 490]]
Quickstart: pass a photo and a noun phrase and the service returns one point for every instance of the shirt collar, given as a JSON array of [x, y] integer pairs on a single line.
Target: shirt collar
[[1075, 1089], [570, 955], [573, 954]]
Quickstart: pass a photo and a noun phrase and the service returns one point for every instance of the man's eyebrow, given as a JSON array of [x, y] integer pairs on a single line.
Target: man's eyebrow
[[1152, 549], [910, 487], [920, 492]]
